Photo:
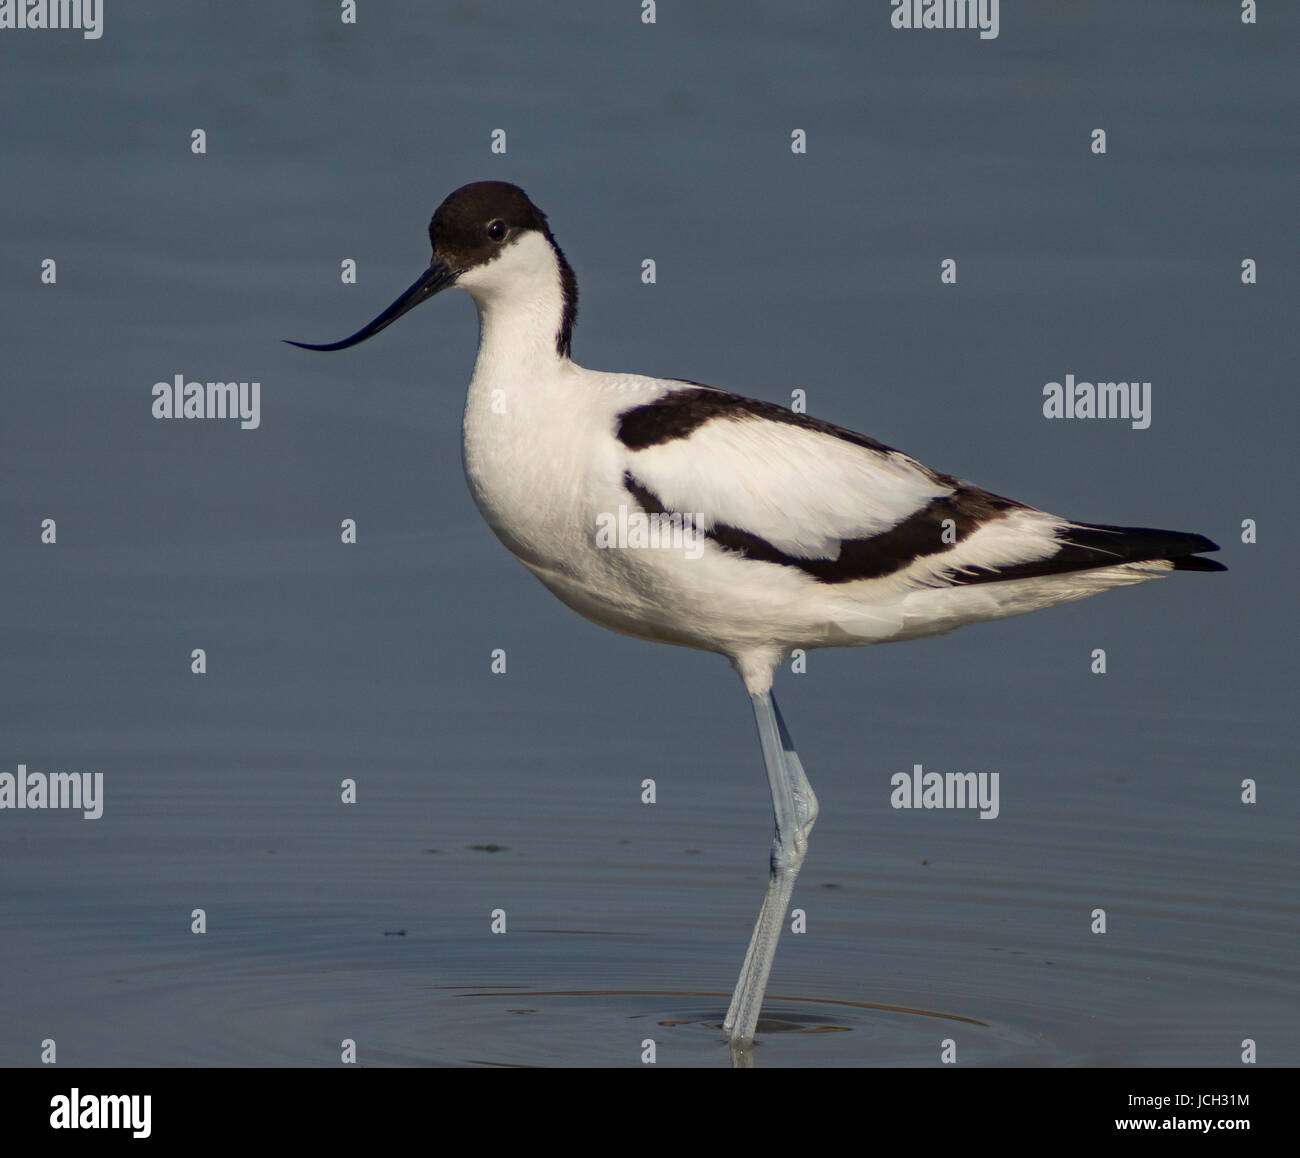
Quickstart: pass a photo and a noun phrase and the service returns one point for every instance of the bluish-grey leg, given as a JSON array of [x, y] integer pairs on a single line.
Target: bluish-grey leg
[[795, 809]]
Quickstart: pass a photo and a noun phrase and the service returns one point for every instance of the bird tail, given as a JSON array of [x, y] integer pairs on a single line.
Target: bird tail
[[1098, 545]]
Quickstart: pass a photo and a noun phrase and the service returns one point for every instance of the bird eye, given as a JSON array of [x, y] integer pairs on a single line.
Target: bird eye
[[496, 230]]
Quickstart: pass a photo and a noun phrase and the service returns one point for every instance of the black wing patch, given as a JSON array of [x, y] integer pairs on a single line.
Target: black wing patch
[[679, 413], [928, 532], [1085, 546], [934, 528]]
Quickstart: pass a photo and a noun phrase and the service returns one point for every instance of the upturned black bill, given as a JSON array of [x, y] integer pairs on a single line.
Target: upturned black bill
[[439, 276]]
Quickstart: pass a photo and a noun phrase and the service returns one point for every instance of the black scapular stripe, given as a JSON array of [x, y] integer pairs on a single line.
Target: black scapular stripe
[[950, 519], [680, 413]]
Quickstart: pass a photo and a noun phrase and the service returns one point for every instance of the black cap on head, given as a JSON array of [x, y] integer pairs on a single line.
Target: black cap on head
[[459, 229], [476, 222]]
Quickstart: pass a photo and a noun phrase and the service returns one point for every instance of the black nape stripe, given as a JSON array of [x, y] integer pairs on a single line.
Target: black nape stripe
[[569, 291]]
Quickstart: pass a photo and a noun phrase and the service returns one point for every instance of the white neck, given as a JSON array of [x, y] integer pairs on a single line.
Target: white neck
[[521, 302]]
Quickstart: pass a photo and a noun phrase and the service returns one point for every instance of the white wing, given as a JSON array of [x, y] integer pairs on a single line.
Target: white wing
[[798, 487]]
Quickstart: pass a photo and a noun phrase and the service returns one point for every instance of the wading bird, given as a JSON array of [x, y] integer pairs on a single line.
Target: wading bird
[[806, 534]]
